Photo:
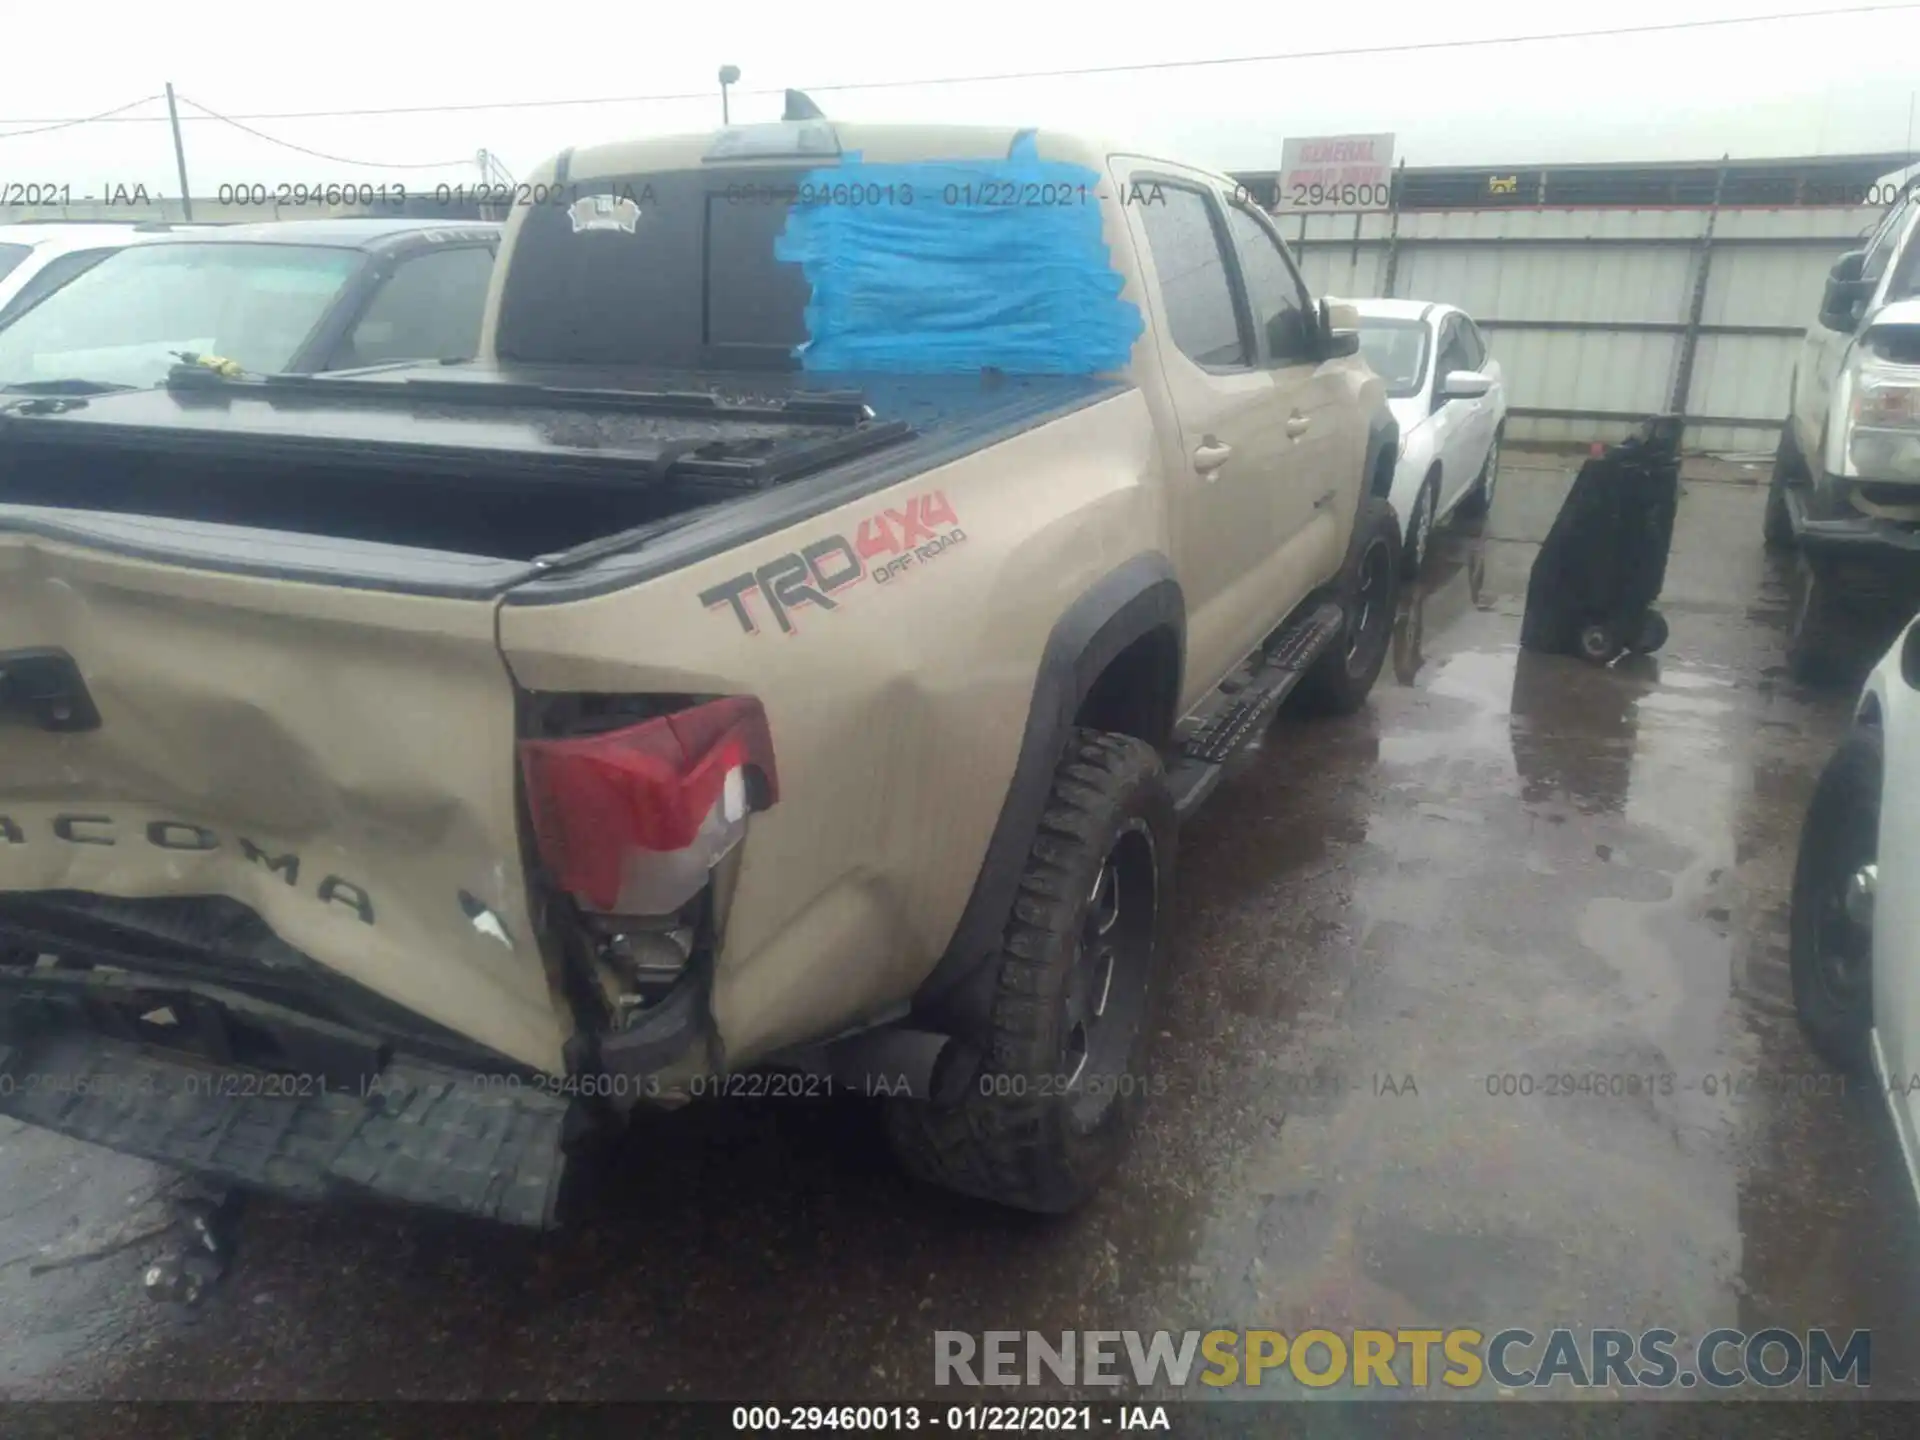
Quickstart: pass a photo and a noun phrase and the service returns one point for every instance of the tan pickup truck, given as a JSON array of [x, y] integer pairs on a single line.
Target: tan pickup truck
[[770, 669]]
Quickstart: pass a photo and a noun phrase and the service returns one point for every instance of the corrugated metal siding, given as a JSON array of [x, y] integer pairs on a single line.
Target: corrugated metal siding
[[1552, 370], [1764, 268]]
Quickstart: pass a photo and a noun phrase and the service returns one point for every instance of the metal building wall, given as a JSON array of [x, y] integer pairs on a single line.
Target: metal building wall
[[1594, 313]]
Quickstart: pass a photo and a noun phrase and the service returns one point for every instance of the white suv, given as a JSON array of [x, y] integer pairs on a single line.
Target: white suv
[[38, 257], [1846, 478]]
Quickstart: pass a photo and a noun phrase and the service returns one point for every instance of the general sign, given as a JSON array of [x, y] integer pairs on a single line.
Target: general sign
[[1335, 172]]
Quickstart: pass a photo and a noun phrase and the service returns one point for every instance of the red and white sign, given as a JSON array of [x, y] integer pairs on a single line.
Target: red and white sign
[[1335, 172]]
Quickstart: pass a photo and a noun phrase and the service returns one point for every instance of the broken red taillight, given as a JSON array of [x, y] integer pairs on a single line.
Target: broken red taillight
[[629, 822]]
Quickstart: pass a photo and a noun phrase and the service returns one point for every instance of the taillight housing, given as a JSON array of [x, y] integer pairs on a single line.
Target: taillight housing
[[630, 821]]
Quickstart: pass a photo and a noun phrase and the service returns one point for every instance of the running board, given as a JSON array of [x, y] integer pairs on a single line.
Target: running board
[[1245, 702]]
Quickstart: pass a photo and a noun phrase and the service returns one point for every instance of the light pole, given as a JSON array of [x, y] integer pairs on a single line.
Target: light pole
[[729, 75]]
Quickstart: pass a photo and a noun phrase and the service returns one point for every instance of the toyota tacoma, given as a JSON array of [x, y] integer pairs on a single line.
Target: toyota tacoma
[[788, 649]]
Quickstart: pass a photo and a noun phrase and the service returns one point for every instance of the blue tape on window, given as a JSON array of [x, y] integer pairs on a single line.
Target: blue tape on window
[[945, 266]]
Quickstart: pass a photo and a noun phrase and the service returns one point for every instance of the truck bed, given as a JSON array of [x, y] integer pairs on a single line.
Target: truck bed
[[471, 480]]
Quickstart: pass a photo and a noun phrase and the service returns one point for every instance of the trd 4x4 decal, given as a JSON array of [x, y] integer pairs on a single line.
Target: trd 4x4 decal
[[894, 540]]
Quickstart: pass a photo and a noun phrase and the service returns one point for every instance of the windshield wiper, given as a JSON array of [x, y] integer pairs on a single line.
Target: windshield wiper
[[73, 386]]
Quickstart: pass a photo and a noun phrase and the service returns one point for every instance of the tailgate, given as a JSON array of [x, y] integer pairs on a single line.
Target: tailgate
[[339, 761]]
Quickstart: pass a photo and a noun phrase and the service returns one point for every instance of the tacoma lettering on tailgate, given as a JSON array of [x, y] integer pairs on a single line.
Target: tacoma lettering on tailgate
[[180, 835], [894, 540]]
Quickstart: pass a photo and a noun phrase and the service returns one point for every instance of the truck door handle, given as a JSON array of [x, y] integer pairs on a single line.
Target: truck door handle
[[1297, 426], [1210, 455]]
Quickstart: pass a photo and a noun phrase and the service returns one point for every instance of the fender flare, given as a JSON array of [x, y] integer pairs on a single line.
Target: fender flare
[[1139, 597], [1383, 437]]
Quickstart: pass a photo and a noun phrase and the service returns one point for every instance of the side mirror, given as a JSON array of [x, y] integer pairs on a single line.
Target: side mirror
[[1464, 385], [1846, 294], [1339, 329]]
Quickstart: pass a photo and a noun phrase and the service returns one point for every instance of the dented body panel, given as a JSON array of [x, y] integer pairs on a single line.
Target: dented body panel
[[337, 760], [896, 677]]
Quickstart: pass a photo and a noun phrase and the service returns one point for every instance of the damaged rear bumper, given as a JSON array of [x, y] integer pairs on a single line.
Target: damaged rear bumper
[[345, 1118]]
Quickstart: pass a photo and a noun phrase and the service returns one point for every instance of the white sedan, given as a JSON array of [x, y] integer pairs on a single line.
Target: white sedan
[[1855, 927], [1445, 390], [38, 257]]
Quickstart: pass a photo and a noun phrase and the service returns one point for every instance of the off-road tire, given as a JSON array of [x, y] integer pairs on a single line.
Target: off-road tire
[[1339, 681], [1788, 469], [1014, 1137], [1839, 834], [1653, 633], [1777, 528], [1815, 636]]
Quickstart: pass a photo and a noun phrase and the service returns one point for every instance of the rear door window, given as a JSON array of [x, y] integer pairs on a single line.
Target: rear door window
[[428, 309]]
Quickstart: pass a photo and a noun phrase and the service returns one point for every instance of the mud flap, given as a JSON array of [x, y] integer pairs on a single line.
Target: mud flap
[[422, 1134]]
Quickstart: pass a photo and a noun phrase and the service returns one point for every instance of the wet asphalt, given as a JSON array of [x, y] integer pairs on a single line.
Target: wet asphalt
[[1506, 866]]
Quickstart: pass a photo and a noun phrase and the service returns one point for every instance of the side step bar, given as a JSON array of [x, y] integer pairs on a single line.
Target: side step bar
[[1246, 701]]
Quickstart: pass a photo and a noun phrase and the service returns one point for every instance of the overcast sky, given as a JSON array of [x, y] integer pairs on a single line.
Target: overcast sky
[[1834, 84]]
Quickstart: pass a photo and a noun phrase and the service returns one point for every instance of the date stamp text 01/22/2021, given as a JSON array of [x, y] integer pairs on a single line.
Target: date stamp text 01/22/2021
[[960, 1419], [243, 1084], [63, 192]]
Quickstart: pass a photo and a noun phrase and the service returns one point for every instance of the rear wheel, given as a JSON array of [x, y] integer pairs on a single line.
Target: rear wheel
[[1832, 920], [1479, 500], [1341, 678], [1055, 1104], [1420, 526], [1813, 631]]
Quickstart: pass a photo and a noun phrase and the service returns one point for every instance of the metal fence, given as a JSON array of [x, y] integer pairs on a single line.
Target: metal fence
[[1599, 315], [1602, 316]]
